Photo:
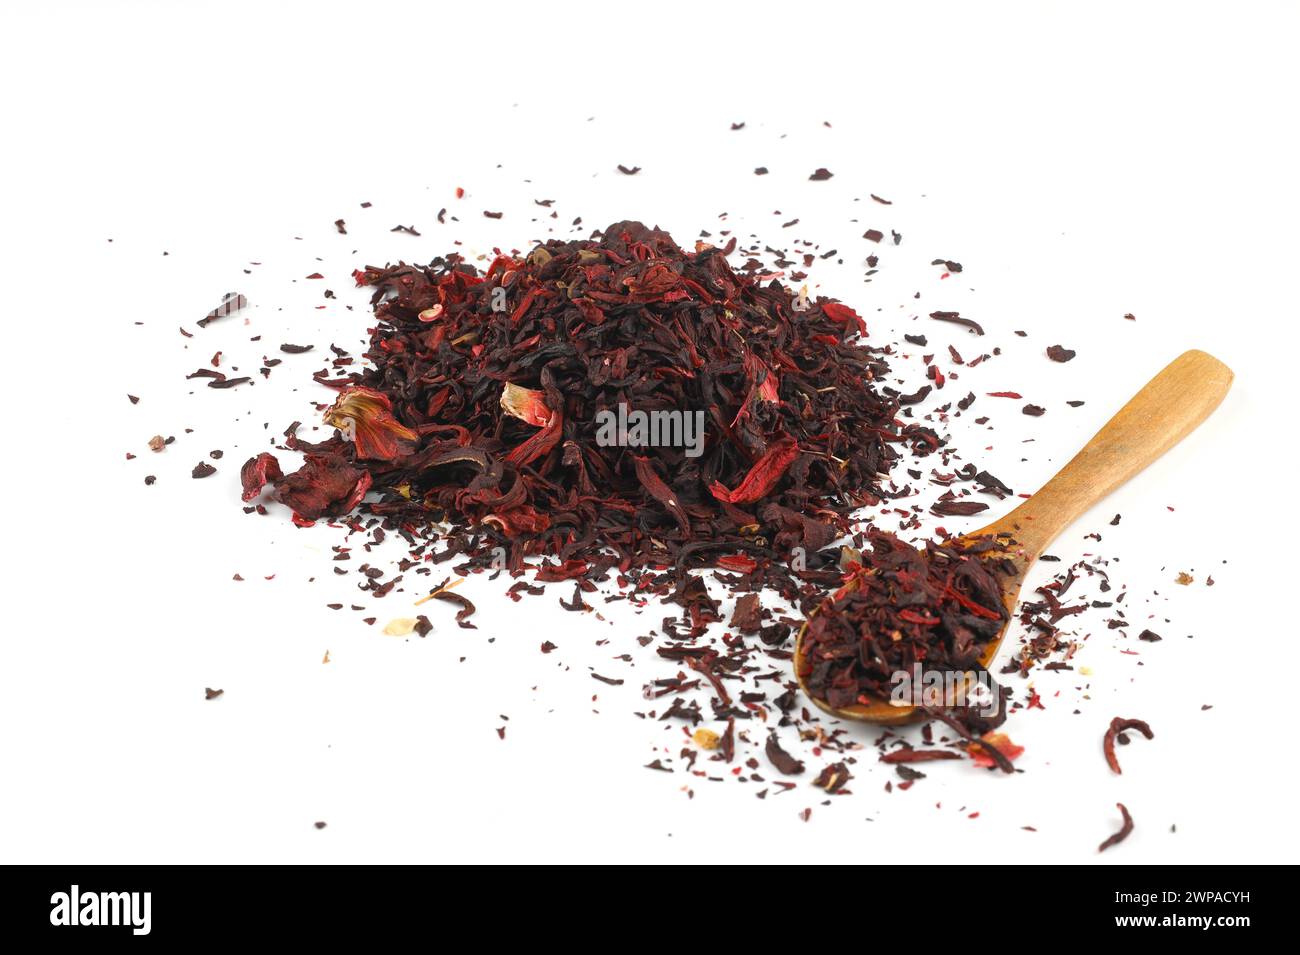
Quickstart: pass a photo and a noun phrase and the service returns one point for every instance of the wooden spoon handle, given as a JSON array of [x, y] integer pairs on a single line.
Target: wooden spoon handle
[[1168, 409]]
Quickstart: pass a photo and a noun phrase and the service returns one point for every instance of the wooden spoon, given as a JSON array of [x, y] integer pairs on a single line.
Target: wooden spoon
[[1168, 409]]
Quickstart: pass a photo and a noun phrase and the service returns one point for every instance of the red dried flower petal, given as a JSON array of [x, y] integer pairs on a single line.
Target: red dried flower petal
[[999, 741], [839, 312], [763, 476], [367, 416], [519, 520], [258, 472], [661, 492], [740, 563], [539, 444], [326, 484], [526, 404]]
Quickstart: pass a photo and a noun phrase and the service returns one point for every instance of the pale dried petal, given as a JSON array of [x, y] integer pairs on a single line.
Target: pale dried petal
[[705, 739]]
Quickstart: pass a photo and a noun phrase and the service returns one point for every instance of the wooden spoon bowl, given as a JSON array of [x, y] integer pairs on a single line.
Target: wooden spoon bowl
[[1169, 408]]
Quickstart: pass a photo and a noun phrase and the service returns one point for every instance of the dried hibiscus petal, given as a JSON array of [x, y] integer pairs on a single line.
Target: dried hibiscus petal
[[467, 608], [518, 521], [661, 492], [539, 444], [834, 777], [1117, 726], [763, 476], [258, 472], [909, 755], [366, 416], [526, 404], [783, 761], [1124, 830], [747, 616], [838, 312], [740, 563], [979, 754], [326, 484]]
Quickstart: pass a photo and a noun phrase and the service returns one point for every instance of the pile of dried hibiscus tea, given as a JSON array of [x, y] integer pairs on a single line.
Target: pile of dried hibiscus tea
[[619, 410], [489, 402]]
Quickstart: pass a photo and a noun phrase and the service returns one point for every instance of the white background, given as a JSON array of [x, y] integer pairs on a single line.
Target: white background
[[1081, 162]]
